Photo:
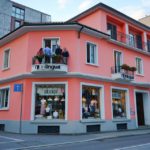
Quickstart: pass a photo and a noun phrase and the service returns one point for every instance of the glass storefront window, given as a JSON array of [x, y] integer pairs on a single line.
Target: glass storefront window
[[50, 101], [90, 102], [119, 103]]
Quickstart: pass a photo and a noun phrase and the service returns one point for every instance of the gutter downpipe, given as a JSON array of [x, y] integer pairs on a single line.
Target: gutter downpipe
[[79, 32]]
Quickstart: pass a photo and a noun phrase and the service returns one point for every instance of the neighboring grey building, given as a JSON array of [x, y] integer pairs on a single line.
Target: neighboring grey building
[[12, 15]]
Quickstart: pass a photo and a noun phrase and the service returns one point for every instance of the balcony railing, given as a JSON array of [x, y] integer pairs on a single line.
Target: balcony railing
[[55, 65], [131, 41], [119, 73]]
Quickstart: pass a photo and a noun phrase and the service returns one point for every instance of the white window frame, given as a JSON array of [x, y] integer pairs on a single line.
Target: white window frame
[[49, 38], [96, 54], [101, 100], [142, 71], [48, 83], [127, 97], [132, 40], [5, 68], [122, 56], [2, 88]]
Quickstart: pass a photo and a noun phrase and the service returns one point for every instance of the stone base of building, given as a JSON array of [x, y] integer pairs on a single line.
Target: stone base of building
[[66, 127]]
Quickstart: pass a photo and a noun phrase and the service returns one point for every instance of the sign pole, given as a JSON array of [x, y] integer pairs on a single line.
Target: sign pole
[[20, 124]]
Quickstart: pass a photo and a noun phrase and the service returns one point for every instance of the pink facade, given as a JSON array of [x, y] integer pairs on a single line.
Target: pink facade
[[94, 59]]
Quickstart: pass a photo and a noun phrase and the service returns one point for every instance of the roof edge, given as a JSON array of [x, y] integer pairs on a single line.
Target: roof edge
[[108, 8]]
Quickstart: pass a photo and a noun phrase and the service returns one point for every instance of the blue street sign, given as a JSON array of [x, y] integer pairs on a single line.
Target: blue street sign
[[17, 87]]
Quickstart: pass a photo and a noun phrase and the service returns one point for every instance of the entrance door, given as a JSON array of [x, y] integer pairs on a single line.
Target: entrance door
[[140, 109]]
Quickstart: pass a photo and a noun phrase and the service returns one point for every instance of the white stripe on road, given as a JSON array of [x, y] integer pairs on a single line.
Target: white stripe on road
[[11, 142], [134, 146], [5, 137], [56, 144]]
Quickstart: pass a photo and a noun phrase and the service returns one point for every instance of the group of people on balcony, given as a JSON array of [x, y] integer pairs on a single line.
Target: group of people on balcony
[[46, 55]]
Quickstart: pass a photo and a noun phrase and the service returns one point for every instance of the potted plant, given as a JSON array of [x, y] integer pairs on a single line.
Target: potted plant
[[56, 58], [125, 67], [133, 69]]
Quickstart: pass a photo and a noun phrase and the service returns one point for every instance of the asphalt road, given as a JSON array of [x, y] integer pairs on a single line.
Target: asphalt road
[[70, 142], [141, 142]]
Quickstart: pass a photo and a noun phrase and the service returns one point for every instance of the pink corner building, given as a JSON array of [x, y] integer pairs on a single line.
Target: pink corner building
[[89, 74]]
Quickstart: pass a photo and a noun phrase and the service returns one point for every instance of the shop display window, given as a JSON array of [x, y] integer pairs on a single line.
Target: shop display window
[[50, 101], [90, 102], [119, 103]]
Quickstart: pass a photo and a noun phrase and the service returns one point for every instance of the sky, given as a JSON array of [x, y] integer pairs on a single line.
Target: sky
[[62, 10]]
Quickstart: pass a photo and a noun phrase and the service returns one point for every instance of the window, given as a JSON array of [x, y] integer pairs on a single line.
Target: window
[[91, 53], [131, 40], [6, 59], [139, 65], [148, 45], [118, 61], [113, 30], [119, 103], [90, 102], [50, 101], [139, 41], [17, 24], [52, 43], [18, 13], [4, 98]]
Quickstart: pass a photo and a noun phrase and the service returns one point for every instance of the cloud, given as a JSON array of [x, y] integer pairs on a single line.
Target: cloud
[[145, 3], [135, 12], [62, 3], [84, 5]]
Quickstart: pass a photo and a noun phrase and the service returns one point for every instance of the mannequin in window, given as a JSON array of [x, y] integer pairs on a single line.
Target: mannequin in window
[[55, 103], [63, 105], [119, 111], [85, 112], [47, 110], [43, 106], [83, 102], [49, 102], [55, 114]]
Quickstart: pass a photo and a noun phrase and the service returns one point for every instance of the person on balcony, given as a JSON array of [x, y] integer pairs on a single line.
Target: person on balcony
[[40, 55], [65, 55], [47, 54], [58, 50]]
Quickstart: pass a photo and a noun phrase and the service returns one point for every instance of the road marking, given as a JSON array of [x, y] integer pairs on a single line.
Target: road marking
[[56, 144], [11, 142], [134, 146], [5, 137]]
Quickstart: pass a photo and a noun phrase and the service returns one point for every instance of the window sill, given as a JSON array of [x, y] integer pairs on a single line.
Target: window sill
[[4, 109], [4, 69], [142, 75], [95, 65], [49, 121], [121, 120], [92, 121]]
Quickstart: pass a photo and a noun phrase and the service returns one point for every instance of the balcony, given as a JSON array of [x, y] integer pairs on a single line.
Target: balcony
[[131, 41], [53, 66], [118, 73]]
